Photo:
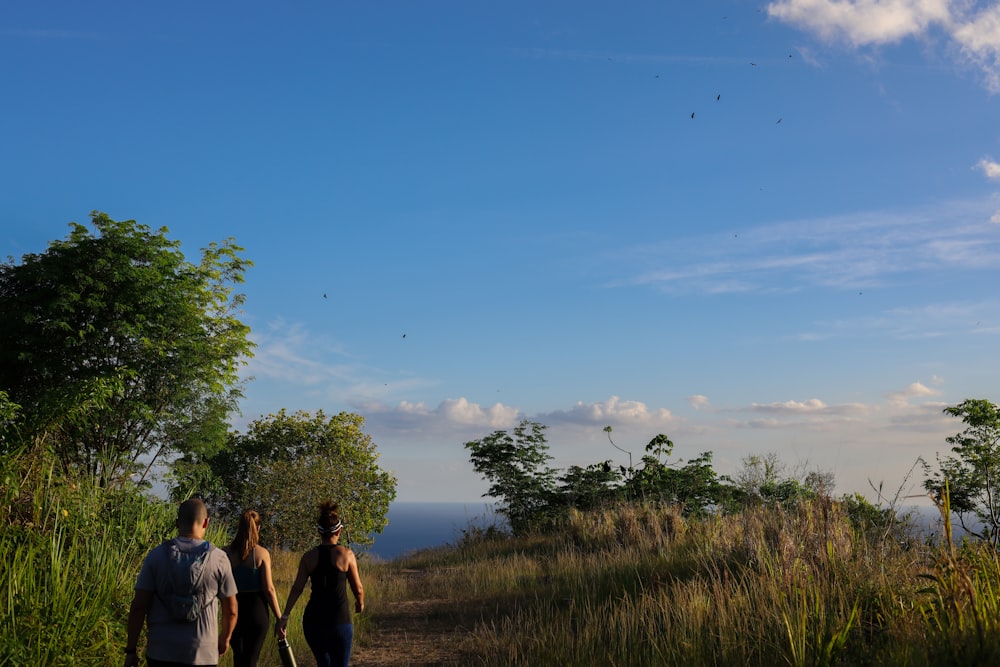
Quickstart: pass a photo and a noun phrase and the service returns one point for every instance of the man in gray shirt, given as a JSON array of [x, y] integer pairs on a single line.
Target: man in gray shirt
[[172, 642]]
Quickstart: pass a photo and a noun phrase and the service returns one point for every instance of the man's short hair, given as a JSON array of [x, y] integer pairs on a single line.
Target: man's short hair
[[191, 512]]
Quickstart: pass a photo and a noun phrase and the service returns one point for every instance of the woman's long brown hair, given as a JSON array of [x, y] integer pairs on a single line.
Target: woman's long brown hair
[[247, 536]]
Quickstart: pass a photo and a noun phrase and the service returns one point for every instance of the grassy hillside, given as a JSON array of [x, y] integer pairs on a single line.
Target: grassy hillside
[[812, 583], [638, 585]]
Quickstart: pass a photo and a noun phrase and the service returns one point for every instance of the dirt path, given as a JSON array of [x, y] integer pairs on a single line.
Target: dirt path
[[416, 633]]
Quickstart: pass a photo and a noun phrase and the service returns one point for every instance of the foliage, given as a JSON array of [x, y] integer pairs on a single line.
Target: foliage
[[120, 352], [875, 523], [757, 473], [10, 432], [973, 473], [695, 487], [515, 466], [590, 487], [285, 465], [962, 608], [70, 552]]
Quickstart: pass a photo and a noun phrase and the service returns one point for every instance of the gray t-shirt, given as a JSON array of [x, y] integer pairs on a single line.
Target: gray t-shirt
[[197, 642]]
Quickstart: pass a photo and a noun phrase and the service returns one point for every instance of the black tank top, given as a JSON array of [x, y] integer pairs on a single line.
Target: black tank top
[[328, 600]]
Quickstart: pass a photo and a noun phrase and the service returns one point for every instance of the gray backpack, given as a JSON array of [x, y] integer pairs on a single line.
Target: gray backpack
[[185, 570]]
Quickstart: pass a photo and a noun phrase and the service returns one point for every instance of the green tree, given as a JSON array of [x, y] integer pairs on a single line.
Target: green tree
[[9, 416], [515, 466], [973, 473], [285, 465], [695, 486], [757, 474], [119, 352], [590, 487]]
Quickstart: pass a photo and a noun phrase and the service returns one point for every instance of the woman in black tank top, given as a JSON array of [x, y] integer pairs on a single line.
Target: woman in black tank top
[[251, 565], [331, 568]]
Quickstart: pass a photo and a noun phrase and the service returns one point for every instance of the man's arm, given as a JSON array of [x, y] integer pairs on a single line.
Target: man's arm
[[136, 617], [228, 623]]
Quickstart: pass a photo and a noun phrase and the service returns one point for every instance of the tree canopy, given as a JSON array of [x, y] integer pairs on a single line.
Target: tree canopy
[[972, 475], [285, 465], [119, 351], [532, 495], [515, 465]]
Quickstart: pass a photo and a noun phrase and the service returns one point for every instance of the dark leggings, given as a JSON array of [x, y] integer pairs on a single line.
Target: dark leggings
[[252, 624], [330, 644], [151, 662]]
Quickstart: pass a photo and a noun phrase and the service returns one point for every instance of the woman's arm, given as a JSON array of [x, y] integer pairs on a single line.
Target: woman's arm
[[354, 579], [272, 594], [293, 595]]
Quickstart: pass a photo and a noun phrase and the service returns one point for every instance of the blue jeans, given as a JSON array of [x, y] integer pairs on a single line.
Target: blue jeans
[[330, 644]]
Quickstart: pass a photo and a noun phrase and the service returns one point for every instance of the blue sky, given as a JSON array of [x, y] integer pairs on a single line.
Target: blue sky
[[754, 228]]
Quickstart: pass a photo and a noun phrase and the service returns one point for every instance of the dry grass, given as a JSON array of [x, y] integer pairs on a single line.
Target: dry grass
[[639, 585]]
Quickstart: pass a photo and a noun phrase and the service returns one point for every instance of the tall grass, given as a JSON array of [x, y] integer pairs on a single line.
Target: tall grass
[[627, 585], [639, 585], [962, 615], [69, 556]]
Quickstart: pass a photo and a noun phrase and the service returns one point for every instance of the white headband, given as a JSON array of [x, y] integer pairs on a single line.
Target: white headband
[[331, 529]]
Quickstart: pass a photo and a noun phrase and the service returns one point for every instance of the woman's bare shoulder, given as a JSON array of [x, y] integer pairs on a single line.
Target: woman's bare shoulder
[[345, 557], [261, 555]]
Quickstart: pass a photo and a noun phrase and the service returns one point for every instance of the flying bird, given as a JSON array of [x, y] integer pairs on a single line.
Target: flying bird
[[324, 295], [718, 97], [692, 114], [778, 121]]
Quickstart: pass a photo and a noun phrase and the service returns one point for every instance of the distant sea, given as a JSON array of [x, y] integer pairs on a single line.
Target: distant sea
[[415, 526]]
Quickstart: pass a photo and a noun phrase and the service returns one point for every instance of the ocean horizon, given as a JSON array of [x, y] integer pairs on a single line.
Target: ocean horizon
[[421, 525]]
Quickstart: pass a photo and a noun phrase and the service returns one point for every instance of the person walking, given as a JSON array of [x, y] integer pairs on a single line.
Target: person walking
[[177, 594], [251, 565], [326, 622]]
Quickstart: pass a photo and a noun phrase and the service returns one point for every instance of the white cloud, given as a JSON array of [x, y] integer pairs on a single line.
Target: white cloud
[[317, 370], [990, 168], [765, 423], [281, 354], [975, 34], [612, 412], [450, 415], [461, 411], [811, 405], [852, 251], [698, 402], [863, 22], [979, 40], [914, 390]]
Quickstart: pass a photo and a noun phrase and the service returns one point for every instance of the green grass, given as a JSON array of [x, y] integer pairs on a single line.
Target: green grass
[[69, 556]]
